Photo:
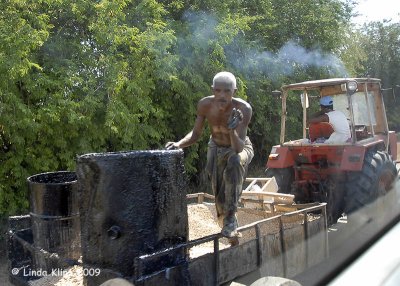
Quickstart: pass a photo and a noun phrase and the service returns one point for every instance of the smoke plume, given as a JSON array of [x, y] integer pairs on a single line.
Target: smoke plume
[[250, 60]]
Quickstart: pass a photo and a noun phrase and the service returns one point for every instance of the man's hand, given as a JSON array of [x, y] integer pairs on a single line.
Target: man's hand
[[235, 118], [172, 146]]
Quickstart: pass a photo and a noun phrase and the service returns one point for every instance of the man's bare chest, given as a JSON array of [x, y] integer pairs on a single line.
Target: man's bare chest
[[218, 122]]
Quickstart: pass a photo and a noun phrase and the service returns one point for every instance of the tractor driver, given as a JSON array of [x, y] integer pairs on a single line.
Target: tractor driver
[[341, 129], [229, 149]]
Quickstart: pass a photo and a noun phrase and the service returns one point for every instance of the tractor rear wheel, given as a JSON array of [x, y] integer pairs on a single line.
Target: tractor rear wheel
[[284, 178], [374, 180]]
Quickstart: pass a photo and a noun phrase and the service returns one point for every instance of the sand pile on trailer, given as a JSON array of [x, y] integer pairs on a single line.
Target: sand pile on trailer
[[203, 222]]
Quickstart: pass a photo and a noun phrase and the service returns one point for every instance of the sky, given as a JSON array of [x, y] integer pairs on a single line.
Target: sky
[[377, 10]]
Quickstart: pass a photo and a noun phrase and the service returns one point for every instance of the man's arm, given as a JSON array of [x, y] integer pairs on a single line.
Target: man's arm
[[193, 135], [238, 135], [319, 118]]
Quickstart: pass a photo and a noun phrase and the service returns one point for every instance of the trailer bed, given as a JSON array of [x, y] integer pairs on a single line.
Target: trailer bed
[[282, 243]]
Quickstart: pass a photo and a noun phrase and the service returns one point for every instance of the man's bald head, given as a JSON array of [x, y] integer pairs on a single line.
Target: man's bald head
[[225, 78]]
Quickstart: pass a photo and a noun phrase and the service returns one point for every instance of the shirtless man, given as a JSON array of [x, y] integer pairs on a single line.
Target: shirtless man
[[229, 149]]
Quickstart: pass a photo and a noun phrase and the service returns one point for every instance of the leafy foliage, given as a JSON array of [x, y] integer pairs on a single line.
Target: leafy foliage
[[374, 51], [92, 76]]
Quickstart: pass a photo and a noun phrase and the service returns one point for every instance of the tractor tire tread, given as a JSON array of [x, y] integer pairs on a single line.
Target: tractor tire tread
[[362, 188]]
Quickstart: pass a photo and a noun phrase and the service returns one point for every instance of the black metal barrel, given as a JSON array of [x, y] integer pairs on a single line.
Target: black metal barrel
[[132, 203], [54, 214]]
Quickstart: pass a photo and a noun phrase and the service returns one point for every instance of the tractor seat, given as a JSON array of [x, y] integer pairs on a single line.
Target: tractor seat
[[319, 130]]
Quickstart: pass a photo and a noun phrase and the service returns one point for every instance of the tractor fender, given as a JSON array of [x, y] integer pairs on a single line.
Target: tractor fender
[[352, 158], [280, 157], [391, 140]]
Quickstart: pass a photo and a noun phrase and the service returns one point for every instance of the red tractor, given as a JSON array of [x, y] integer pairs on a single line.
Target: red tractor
[[347, 175]]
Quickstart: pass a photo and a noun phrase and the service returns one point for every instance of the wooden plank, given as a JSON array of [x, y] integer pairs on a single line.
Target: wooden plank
[[285, 208], [268, 194], [253, 204], [237, 261], [208, 196], [256, 204], [316, 242], [250, 185], [272, 251], [258, 179], [278, 197], [260, 201], [267, 185], [295, 250], [270, 186], [192, 196], [196, 195], [293, 207]]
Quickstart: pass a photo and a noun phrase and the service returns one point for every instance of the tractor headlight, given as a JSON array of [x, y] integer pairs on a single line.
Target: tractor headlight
[[351, 86]]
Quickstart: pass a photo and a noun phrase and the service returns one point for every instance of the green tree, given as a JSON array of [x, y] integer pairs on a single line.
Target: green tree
[[23, 29], [93, 76], [78, 77], [380, 42]]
